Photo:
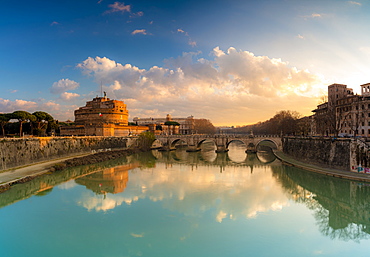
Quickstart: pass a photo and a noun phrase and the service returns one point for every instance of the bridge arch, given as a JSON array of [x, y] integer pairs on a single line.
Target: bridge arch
[[236, 140], [157, 144], [174, 142], [274, 145], [202, 141]]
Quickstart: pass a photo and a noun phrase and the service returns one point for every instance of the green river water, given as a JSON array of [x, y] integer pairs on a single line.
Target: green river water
[[186, 204]]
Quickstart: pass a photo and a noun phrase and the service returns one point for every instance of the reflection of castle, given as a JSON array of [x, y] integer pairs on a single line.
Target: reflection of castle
[[102, 117], [111, 180]]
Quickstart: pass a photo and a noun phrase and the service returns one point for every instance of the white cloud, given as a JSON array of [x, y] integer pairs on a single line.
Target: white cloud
[[300, 36], [66, 96], [314, 16], [8, 106], [139, 31], [63, 85], [233, 84], [118, 7], [355, 3], [190, 41], [365, 49], [138, 14]]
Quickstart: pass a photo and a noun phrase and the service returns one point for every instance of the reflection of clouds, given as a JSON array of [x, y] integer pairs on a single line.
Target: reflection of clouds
[[232, 194], [91, 201], [68, 185], [137, 235], [193, 190]]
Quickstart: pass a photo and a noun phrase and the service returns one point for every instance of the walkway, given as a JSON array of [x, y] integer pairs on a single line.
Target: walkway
[[326, 171], [12, 175]]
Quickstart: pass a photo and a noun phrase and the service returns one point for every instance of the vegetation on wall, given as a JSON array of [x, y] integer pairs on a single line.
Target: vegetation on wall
[[145, 141]]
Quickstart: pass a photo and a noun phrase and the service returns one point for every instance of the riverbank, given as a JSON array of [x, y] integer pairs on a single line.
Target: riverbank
[[286, 159], [26, 173]]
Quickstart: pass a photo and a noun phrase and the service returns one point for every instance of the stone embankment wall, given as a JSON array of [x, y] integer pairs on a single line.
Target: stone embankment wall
[[326, 152], [23, 151]]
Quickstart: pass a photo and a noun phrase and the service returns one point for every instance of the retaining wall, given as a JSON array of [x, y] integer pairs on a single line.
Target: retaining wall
[[23, 151], [326, 152]]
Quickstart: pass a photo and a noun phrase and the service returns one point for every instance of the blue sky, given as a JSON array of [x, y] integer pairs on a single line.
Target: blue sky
[[233, 62]]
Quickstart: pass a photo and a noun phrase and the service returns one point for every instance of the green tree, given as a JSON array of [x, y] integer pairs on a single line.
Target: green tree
[[145, 140], [42, 120], [4, 119], [174, 123], [22, 117]]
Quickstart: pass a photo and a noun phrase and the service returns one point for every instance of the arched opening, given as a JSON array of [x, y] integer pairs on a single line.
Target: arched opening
[[236, 151], [178, 143], [207, 145], [265, 151], [266, 145], [157, 144]]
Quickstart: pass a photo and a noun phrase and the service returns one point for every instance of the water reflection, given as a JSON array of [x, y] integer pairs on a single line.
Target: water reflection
[[227, 186], [341, 207]]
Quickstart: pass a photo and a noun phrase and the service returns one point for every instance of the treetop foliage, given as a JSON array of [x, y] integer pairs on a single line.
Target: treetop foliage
[[173, 123], [283, 122]]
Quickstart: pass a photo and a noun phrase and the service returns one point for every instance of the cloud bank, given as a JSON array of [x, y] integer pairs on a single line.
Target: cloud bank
[[233, 87]]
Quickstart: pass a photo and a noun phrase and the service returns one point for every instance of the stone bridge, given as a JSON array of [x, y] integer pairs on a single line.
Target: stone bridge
[[222, 141]]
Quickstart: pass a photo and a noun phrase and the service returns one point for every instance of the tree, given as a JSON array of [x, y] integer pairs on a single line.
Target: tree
[[4, 119], [283, 122], [204, 126], [42, 119], [145, 140], [173, 123], [22, 117]]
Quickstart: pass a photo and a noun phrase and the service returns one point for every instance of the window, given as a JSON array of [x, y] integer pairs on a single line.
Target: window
[[363, 131]]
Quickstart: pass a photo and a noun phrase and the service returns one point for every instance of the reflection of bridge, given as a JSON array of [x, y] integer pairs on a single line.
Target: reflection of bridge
[[210, 158], [221, 141]]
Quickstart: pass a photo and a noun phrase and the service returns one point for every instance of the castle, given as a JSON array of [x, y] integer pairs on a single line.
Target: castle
[[101, 117]]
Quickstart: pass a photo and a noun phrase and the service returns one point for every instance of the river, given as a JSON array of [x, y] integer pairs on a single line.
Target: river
[[186, 204]]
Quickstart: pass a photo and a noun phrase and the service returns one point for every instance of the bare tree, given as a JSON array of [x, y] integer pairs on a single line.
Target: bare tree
[[204, 126]]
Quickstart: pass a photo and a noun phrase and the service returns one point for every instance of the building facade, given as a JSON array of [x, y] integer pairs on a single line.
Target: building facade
[[345, 113], [186, 125], [102, 117]]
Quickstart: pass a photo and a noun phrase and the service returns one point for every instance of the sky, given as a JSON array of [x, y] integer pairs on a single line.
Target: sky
[[234, 62]]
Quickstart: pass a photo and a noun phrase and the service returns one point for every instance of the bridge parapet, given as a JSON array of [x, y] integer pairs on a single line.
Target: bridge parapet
[[221, 141]]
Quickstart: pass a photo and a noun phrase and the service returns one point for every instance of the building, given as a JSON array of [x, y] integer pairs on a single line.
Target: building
[[186, 126], [102, 117], [345, 113]]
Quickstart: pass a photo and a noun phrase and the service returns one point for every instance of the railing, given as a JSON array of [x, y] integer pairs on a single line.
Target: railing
[[221, 135]]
